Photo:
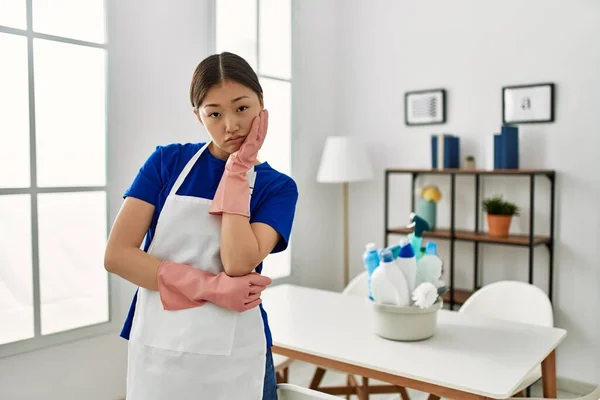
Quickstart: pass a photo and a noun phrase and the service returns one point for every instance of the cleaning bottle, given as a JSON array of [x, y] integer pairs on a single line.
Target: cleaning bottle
[[429, 267], [416, 237], [388, 283], [395, 249], [371, 262], [407, 262]]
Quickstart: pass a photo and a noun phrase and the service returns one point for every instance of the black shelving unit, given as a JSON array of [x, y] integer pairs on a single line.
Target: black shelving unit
[[476, 236]]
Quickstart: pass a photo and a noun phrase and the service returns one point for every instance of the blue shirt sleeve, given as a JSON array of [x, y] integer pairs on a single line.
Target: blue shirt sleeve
[[149, 180], [278, 211]]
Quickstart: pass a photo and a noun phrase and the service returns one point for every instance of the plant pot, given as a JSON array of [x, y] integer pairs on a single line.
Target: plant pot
[[499, 225], [469, 164], [406, 324], [428, 211]]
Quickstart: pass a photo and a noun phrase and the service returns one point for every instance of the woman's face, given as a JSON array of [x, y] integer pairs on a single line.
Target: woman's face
[[227, 113]]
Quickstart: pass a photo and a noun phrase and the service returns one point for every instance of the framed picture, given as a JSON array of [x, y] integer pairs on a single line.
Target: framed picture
[[528, 104], [425, 107]]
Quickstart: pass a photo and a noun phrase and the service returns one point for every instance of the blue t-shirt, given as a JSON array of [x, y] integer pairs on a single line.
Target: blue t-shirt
[[273, 199]]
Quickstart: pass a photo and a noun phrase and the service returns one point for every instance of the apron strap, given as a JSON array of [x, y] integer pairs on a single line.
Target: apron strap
[[186, 170], [252, 179], [188, 167]]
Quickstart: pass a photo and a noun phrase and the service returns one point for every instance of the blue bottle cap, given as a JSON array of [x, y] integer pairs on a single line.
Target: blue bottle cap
[[407, 251], [431, 249], [387, 256]]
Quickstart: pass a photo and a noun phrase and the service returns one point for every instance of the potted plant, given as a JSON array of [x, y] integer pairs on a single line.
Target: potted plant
[[499, 215], [469, 162]]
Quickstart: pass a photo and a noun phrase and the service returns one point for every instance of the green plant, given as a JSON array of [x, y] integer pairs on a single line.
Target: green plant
[[497, 206], [470, 158]]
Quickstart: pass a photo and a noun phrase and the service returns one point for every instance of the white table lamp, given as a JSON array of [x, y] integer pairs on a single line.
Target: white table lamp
[[344, 160]]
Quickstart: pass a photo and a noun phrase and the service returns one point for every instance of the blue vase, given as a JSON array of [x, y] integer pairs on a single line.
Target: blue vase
[[428, 211]]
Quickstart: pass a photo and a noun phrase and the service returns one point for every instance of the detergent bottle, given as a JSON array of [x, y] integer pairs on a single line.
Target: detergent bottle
[[407, 262], [388, 283], [416, 237], [429, 267], [371, 262], [395, 249]]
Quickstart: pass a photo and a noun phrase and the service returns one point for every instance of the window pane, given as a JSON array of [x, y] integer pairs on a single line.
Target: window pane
[[75, 19], [236, 28], [16, 286], [13, 13], [275, 38], [70, 111], [14, 112], [277, 149], [73, 281]]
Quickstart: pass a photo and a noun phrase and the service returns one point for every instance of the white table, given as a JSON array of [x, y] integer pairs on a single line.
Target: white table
[[468, 358]]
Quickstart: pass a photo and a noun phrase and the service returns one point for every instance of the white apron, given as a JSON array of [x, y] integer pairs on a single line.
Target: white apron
[[204, 352]]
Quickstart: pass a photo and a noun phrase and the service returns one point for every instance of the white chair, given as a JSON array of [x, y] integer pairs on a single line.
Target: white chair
[[514, 301], [595, 395], [285, 391]]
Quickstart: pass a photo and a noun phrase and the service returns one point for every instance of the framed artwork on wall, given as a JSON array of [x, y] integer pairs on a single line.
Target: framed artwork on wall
[[526, 104], [425, 107]]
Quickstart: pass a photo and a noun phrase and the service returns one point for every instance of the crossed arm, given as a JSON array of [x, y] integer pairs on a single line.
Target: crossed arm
[[243, 245]]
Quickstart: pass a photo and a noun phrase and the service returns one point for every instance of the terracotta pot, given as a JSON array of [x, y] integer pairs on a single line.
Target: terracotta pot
[[499, 225]]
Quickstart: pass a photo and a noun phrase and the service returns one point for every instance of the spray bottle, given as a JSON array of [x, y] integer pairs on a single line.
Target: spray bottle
[[416, 237]]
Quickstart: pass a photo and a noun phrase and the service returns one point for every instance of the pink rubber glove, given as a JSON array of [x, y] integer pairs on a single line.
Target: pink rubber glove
[[233, 193], [181, 286]]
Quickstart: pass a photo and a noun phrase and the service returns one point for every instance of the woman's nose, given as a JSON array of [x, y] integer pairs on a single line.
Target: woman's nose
[[231, 125]]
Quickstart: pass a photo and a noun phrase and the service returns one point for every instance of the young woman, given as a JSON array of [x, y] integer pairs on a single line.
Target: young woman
[[210, 212]]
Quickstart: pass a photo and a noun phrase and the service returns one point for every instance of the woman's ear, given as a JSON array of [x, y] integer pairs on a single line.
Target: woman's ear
[[197, 114]]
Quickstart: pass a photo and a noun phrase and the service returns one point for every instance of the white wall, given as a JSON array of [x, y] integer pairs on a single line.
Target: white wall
[[316, 255], [154, 49], [473, 48]]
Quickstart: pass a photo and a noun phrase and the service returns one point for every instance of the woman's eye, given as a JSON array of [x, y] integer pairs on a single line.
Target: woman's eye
[[214, 115], [242, 108]]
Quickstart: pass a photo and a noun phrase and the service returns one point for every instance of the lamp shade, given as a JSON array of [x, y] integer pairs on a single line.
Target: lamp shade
[[344, 159]]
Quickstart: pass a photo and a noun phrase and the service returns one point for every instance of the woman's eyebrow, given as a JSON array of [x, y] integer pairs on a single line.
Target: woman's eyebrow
[[232, 101]]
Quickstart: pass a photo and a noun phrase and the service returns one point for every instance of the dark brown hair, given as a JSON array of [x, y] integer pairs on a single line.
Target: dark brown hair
[[222, 67]]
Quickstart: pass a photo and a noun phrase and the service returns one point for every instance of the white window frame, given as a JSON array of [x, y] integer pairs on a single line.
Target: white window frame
[[212, 45], [39, 341]]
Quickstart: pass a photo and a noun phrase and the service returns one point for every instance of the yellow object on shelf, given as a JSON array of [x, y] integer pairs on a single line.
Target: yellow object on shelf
[[431, 193]]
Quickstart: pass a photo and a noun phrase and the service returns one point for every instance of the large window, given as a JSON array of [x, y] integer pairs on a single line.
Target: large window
[[261, 32], [53, 189]]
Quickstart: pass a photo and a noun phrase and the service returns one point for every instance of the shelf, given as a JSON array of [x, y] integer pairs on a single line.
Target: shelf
[[519, 240], [460, 296], [460, 171]]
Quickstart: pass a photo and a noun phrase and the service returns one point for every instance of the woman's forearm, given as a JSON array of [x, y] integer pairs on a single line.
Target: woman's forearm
[[240, 250], [134, 265]]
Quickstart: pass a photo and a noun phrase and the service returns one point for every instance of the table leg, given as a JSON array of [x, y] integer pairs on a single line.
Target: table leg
[[549, 376]]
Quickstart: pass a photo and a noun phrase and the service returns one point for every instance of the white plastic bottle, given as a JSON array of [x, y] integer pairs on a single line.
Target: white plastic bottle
[[388, 283], [407, 262], [429, 267]]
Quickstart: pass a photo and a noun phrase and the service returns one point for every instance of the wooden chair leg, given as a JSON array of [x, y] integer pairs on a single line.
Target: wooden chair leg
[[403, 393], [433, 397], [317, 378], [283, 375], [349, 384]]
